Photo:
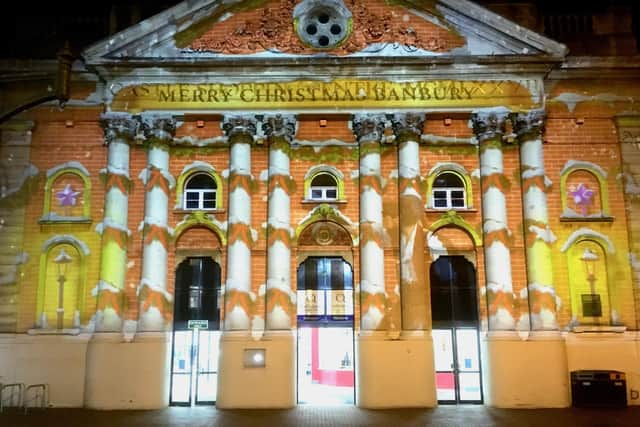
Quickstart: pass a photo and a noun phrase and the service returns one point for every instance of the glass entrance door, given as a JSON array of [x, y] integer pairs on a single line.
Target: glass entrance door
[[457, 365], [325, 366], [325, 332], [455, 330], [196, 335], [194, 368]]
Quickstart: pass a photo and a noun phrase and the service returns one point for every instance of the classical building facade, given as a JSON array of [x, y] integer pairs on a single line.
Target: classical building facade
[[388, 204]]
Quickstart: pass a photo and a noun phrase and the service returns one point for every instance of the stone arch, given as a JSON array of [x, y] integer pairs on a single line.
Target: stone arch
[[200, 219]]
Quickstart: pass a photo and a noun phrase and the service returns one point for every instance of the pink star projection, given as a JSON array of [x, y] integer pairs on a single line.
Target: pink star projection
[[582, 197], [67, 197]]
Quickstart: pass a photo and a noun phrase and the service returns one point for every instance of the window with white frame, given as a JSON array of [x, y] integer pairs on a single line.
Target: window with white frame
[[200, 192], [324, 186], [448, 192]]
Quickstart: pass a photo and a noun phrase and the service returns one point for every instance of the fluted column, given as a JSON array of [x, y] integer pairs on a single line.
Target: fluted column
[[368, 129], [240, 131], [542, 296], [488, 125], [120, 130], [155, 301], [281, 306], [413, 287]]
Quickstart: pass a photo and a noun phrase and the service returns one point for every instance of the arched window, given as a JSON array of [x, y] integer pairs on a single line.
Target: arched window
[[324, 186], [200, 192], [448, 192]]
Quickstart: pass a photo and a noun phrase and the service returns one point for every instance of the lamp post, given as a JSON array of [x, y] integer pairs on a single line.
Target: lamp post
[[589, 258], [591, 306], [61, 262]]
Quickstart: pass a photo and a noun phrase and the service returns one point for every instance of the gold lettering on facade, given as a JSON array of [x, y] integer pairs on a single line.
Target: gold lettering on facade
[[336, 94]]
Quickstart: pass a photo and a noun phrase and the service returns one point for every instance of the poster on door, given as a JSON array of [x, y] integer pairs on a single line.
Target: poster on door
[[311, 303], [340, 303]]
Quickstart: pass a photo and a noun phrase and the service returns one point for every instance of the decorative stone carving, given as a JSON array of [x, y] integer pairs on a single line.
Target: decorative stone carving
[[368, 127], [158, 127], [239, 125], [324, 233], [529, 122], [375, 26], [121, 126], [280, 126], [322, 24], [407, 125], [489, 123]]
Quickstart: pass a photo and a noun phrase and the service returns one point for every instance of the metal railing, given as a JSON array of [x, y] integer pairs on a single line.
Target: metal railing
[[16, 395], [38, 398]]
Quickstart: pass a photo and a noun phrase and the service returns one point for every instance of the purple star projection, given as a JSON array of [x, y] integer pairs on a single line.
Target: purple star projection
[[67, 197], [582, 197]]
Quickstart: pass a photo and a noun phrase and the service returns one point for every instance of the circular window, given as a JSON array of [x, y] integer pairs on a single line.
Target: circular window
[[322, 24]]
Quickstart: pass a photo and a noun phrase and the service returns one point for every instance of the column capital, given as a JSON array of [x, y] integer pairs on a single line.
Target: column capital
[[368, 127], [159, 127], [530, 122], [119, 126], [280, 126], [407, 126], [239, 125], [489, 123]]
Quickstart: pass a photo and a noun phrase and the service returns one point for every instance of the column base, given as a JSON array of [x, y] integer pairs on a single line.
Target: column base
[[56, 360], [396, 373], [128, 375], [525, 370], [271, 386], [609, 351]]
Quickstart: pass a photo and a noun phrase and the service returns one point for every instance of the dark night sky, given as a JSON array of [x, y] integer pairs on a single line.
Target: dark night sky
[[33, 30]]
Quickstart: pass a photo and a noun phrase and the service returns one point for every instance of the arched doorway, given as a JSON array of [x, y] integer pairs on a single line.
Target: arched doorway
[[196, 319], [454, 308], [325, 331]]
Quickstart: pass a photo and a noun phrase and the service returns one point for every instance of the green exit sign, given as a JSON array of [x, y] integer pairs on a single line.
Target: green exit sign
[[198, 324]]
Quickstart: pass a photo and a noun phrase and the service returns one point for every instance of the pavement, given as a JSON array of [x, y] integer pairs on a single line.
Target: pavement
[[326, 416]]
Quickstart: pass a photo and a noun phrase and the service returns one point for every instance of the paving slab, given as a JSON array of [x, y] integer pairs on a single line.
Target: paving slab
[[328, 416]]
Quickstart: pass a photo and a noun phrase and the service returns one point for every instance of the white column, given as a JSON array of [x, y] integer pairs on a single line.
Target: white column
[[488, 125], [540, 290], [368, 129], [413, 286], [240, 131], [120, 130], [281, 300], [155, 301]]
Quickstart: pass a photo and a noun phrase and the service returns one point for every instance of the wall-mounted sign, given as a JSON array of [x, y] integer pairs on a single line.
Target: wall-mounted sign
[[334, 95], [198, 324]]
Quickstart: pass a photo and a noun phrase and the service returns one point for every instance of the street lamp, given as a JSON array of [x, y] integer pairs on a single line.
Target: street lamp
[[61, 262], [589, 258], [591, 304]]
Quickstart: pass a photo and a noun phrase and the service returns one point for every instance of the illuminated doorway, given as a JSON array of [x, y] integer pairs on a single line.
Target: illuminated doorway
[[326, 374], [455, 330], [196, 334]]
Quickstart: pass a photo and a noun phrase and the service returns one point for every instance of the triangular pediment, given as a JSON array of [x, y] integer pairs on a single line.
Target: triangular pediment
[[211, 31]]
